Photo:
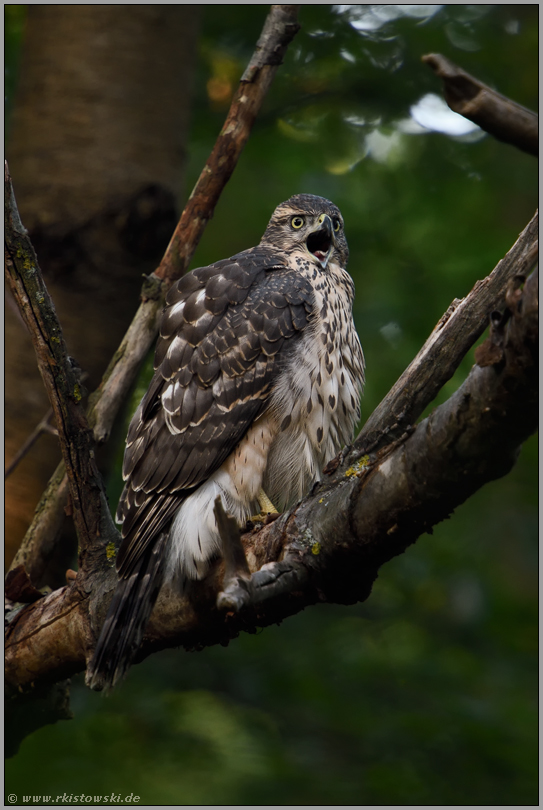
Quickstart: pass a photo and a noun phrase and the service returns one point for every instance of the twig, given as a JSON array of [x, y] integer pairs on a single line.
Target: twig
[[43, 426], [279, 28], [58, 374], [499, 116], [458, 329]]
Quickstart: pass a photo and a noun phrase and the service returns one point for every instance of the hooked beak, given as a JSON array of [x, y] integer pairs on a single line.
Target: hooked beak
[[320, 242]]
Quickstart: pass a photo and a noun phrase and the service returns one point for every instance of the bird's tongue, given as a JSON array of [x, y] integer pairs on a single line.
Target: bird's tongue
[[319, 243]]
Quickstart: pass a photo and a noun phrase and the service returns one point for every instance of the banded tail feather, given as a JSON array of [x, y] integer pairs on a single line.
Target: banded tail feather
[[127, 617]]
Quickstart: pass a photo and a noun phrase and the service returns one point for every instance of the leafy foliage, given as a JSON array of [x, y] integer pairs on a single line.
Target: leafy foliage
[[426, 693]]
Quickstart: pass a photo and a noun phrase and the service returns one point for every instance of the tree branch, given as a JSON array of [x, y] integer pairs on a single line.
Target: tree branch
[[279, 29], [363, 515], [40, 541], [499, 116]]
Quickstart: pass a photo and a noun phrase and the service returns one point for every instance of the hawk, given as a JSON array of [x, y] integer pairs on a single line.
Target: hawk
[[257, 384]]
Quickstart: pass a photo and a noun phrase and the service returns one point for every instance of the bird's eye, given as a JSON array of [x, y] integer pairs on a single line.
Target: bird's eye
[[297, 222], [337, 224]]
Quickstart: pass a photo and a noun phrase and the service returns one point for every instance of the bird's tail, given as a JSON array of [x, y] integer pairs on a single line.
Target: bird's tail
[[127, 618]]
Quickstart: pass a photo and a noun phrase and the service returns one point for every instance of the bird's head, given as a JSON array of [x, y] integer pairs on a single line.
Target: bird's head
[[310, 225]]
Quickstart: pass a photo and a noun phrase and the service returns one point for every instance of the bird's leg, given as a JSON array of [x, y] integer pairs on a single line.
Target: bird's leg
[[265, 504], [266, 507]]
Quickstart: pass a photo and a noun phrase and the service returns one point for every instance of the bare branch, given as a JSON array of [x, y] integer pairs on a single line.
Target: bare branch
[[43, 426], [8, 300], [499, 116], [40, 541], [330, 547], [279, 28], [455, 333]]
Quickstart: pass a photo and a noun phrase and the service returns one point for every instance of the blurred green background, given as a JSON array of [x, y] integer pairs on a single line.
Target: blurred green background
[[426, 694]]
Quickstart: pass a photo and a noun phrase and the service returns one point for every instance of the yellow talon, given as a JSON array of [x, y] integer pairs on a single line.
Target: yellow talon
[[266, 507]]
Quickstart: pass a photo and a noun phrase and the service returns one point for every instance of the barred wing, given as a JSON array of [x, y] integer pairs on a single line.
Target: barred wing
[[225, 334]]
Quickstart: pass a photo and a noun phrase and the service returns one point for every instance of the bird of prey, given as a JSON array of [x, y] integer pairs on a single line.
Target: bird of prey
[[257, 385]]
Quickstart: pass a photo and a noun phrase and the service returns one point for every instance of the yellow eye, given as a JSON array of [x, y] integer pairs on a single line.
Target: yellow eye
[[297, 222], [337, 224]]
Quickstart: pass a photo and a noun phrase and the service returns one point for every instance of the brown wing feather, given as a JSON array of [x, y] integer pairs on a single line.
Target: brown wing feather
[[223, 337]]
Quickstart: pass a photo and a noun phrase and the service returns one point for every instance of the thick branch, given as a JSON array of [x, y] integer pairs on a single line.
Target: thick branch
[[458, 329], [473, 438], [61, 382], [280, 27], [499, 116], [341, 534]]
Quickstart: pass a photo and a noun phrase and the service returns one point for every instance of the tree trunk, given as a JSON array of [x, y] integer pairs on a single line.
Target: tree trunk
[[97, 153]]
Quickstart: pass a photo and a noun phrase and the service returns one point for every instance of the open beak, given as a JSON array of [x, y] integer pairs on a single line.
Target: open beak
[[319, 243]]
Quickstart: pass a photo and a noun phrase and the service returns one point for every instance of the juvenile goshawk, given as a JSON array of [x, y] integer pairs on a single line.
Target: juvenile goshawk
[[257, 384]]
